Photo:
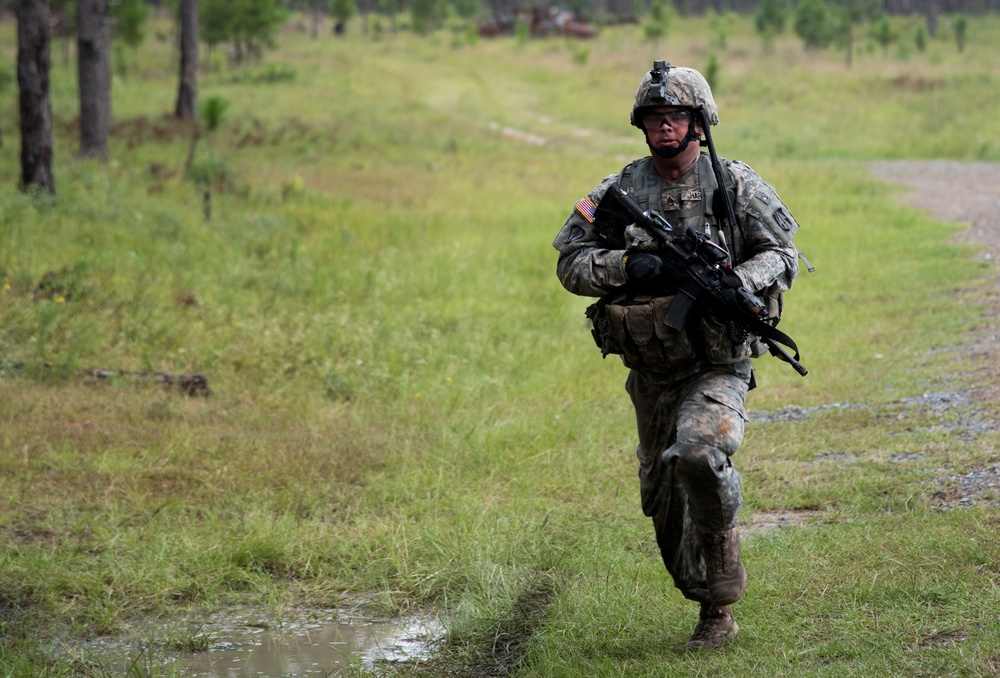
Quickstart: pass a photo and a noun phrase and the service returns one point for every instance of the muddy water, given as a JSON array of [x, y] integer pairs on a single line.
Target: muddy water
[[238, 644]]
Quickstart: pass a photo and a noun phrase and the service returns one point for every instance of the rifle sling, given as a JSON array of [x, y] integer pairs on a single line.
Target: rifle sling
[[684, 301], [765, 331]]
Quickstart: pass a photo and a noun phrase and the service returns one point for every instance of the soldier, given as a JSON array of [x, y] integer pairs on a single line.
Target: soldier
[[687, 386]]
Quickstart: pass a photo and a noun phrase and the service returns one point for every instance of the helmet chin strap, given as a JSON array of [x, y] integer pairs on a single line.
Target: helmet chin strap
[[668, 153]]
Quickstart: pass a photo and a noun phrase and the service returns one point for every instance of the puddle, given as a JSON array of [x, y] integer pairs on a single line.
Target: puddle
[[239, 643]]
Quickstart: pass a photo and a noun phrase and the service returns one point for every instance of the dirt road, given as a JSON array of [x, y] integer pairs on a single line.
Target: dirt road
[[967, 193], [952, 191]]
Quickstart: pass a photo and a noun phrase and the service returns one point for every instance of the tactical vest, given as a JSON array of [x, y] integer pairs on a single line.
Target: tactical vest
[[632, 326], [699, 207]]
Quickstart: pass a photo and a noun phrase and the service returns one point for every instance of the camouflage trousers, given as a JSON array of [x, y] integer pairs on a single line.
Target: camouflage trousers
[[688, 430]]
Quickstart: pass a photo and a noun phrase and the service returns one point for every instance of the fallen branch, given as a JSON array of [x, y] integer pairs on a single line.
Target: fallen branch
[[189, 384]]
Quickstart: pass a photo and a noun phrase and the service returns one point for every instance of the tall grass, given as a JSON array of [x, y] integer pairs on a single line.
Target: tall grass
[[406, 405]]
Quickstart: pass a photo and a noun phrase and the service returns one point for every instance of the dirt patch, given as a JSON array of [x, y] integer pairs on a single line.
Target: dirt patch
[[766, 521], [965, 489], [970, 421], [513, 634], [500, 649]]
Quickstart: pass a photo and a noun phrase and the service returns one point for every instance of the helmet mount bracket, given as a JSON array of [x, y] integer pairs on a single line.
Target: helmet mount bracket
[[658, 82]]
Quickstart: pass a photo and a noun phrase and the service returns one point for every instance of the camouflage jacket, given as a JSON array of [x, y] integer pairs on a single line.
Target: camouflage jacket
[[762, 245]]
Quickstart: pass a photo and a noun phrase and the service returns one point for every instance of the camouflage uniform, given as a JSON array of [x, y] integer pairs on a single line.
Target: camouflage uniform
[[687, 387]]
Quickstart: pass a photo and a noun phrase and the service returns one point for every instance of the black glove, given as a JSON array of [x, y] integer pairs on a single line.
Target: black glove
[[736, 293], [730, 279], [643, 266]]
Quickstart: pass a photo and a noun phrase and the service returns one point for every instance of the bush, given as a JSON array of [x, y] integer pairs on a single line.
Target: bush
[[813, 24]]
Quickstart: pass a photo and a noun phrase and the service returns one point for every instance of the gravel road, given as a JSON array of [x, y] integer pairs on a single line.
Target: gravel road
[[967, 193]]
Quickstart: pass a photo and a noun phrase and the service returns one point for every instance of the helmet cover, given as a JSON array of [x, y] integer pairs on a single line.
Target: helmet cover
[[667, 85]]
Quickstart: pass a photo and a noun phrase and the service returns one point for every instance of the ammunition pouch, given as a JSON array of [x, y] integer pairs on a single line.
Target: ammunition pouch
[[724, 343], [600, 328], [638, 332]]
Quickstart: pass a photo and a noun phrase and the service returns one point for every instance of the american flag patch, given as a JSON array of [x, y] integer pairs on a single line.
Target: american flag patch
[[587, 209]]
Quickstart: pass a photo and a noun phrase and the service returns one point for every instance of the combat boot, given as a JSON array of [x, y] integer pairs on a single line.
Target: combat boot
[[716, 627], [727, 578]]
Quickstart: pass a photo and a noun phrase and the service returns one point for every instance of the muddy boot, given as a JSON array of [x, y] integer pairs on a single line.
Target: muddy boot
[[716, 627], [725, 572]]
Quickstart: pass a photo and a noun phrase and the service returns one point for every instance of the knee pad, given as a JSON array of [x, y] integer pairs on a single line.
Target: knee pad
[[699, 463]]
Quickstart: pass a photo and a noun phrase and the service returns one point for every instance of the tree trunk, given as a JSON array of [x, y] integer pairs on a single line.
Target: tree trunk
[[34, 60], [850, 45], [94, 72], [932, 18], [187, 94]]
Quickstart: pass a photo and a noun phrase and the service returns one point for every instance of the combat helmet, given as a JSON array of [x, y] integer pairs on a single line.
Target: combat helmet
[[667, 85]]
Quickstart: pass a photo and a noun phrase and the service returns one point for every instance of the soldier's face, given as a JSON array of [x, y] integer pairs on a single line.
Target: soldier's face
[[667, 126]]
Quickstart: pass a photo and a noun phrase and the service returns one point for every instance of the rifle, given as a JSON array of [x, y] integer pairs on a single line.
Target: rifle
[[694, 266]]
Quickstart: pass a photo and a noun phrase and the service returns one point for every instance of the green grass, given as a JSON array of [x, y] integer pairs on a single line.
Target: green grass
[[406, 404]]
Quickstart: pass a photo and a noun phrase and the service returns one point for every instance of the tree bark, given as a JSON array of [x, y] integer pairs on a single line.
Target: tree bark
[[850, 45], [931, 10], [187, 93], [34, 60], [94, 73]]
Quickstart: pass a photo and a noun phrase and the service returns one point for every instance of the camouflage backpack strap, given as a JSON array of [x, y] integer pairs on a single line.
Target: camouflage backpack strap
[[715, 206], [625, 177], [641, 181]]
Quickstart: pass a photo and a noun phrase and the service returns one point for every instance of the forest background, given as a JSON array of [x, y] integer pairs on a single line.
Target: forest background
[[352, 246]]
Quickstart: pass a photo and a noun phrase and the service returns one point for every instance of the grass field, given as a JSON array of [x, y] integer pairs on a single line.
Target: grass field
[[406, 406]]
